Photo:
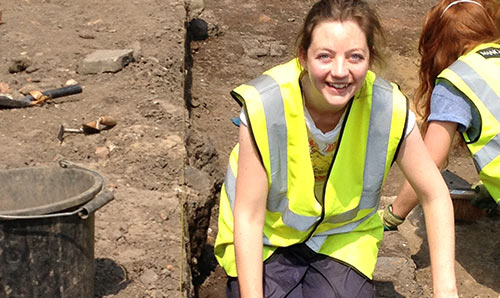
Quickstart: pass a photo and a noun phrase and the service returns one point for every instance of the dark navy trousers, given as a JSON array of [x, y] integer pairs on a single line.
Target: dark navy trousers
[[299, 272]]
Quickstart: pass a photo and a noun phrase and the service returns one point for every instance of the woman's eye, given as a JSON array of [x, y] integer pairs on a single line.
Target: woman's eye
[[357, 57], [323, 57]]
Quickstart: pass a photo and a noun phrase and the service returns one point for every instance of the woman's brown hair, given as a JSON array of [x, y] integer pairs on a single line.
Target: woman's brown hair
[[449, 32]]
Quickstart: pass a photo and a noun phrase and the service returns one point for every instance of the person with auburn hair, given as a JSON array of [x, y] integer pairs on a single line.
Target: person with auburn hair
[[318, 135], [459, 90]]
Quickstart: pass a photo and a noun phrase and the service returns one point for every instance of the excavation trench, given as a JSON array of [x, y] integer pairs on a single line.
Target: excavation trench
[[202, 178]]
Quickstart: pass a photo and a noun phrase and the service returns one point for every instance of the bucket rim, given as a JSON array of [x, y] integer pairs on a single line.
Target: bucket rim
[[74, 201]]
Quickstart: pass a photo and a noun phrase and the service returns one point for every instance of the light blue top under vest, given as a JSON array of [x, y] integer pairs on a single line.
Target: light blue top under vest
[[449, 104]]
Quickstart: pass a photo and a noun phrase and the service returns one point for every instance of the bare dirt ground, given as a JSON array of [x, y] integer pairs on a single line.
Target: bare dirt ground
[[165, 156], [138, 235]]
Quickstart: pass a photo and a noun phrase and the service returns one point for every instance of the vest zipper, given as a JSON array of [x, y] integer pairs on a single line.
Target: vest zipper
[[341, 133]]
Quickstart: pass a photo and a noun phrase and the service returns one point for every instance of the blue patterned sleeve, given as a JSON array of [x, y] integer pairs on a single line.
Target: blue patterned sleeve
[[450, 105]]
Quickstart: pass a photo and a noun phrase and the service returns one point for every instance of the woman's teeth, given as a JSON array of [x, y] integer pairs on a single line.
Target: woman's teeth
[[337, 85]]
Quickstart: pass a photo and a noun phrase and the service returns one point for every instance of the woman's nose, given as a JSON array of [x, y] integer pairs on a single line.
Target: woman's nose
[[339, 68]]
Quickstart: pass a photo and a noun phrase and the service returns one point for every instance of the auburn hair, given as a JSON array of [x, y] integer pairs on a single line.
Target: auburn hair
[[447, 35]]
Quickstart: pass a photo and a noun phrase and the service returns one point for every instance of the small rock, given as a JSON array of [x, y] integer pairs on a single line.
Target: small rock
[[106, 61], [102, 152], [159, 33], [163, 215], [255, 48], [25, 90], [95, 22], [137, 48], [210, 240], [32, 69], [157, 294], [114, 234], [276, 50], [265, 19], [149, 276], [19, 64], [70, 82], [197, 179], [194, 8], [86, 35], [257, 52], [4, 87]]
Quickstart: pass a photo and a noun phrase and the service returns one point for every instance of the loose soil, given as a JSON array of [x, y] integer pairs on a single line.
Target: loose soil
[[165, 158]]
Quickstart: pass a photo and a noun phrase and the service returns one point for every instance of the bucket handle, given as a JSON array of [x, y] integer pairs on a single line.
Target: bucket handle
[[100, 200]]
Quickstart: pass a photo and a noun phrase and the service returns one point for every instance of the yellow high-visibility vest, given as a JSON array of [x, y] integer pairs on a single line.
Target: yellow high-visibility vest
[[343, 224], [477, 75]]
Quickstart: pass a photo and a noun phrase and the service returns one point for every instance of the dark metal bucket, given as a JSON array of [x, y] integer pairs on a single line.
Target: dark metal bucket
[[47, 230]]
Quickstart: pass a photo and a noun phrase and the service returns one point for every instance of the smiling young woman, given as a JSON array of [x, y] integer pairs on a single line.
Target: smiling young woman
[[298, 209]]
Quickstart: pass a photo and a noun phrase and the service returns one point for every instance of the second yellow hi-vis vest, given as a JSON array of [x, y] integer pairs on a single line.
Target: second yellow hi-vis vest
[[477, 75], [343, 223]]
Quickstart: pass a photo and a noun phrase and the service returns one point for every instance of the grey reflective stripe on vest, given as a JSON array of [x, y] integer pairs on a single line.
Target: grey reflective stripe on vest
[[317, 240], [490, 99], [277, 137], [230, 186], [488, 153], [272, 102]]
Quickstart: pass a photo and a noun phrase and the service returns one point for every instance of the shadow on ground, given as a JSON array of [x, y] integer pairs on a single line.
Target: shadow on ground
[[110, 278], [386, 289]]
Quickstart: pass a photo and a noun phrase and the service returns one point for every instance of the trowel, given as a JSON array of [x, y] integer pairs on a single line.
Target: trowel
[[102, 123]]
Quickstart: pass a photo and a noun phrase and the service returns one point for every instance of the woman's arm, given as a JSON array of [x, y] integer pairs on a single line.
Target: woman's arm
[[249, 214], [438, 140], [424, 177]]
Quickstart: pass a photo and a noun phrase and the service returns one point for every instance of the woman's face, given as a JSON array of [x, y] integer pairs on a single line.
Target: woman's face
[[337, 61]]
